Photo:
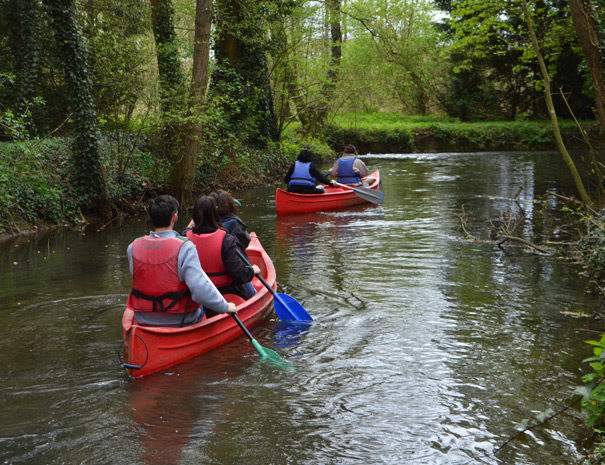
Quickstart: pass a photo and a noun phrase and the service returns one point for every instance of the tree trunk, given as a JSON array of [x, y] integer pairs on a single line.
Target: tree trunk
[[551, 109], [583, 15], [88, 177], [169, 73], [334, 17], [183, 175], [26, 47], [241, 72]]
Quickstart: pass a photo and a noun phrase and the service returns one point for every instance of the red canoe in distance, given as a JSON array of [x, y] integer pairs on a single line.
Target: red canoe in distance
[[150, 349], [289, 203]]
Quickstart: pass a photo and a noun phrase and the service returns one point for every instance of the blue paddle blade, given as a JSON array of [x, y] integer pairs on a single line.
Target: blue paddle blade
[[288, 308]]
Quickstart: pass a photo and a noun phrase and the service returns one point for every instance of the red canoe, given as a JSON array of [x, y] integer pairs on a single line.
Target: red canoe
[[149, 349], [288, 203]]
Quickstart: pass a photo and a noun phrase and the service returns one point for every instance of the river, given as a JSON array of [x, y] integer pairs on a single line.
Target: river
[[427, 348]]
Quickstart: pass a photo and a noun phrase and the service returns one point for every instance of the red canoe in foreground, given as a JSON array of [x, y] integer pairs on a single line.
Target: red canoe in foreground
[[288, 203], [149, 349]]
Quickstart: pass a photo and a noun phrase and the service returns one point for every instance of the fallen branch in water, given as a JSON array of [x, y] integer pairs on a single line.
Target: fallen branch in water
[[523, 241]]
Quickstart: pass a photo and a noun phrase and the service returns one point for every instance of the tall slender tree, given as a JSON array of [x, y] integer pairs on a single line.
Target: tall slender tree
[[182, 177], [546, 86]]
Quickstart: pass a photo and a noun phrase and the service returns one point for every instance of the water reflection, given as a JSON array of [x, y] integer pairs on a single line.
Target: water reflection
[[288, 333]]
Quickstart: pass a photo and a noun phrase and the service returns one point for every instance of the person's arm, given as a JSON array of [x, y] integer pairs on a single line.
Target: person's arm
[[361, 168], [203, 291], [317, 175], [129, 254], [289, 174], [238, 269], [334, 170]]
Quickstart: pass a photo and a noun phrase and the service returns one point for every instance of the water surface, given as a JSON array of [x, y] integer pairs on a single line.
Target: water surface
[[426, 348]]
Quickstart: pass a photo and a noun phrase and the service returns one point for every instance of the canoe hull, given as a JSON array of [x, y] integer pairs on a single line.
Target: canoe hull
[[289, 203], [151, 349]]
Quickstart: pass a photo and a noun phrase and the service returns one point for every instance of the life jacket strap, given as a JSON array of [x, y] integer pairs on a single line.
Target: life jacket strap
[[158, 300]]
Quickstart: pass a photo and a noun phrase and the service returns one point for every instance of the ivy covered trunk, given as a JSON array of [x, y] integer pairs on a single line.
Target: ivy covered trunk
[[87, 174], [24, 20], [241, 78], [170, 76]]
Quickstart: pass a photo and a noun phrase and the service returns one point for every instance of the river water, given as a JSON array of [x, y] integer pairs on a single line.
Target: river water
[[426, 348]]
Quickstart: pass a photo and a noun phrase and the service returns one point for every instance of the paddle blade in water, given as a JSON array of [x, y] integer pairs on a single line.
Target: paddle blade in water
[[289, 309], [376, 197], [268, 355]]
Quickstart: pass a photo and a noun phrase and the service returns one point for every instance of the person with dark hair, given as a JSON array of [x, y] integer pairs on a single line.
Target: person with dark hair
[[302, 175], [227, 212], [217, 251], [349, 169], [168, 283]]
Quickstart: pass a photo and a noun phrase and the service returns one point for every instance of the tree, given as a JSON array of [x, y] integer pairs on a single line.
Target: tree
[[183, 174], [589, 24], [406, 42], [550, 106], [24, 16], [88, 179], [489, 37], [241, 77], [170, 77]]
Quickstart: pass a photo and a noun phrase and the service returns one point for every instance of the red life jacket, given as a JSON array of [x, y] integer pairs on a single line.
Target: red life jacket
[[155, 280], [209, 248]]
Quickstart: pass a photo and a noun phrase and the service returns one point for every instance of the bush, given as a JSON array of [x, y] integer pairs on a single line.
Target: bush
[[29, 190]]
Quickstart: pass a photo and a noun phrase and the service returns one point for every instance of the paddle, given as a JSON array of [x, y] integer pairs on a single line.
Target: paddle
[[367, 194], [286, 307], [265, 354]]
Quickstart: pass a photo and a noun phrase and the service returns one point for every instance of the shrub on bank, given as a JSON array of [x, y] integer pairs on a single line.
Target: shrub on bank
[[35, 186], [32, 186]]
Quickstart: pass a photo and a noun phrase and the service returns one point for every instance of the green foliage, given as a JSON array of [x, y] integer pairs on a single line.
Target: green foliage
[[119, 56], [36, 184], [29, 190], [494, 65], [593, 391], [383, 132], [240, 81]]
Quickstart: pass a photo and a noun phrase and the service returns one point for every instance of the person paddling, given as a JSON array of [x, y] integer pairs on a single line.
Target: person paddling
[[217, 251], [349, 169], [301, 176], [168, 284]]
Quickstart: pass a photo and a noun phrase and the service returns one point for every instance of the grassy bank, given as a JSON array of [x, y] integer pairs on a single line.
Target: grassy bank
[[392, 133]]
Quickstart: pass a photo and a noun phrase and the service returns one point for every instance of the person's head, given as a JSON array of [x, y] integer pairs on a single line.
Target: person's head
[[305, 156], [350, 149], [162, 209], [225, 203], [205, 214]]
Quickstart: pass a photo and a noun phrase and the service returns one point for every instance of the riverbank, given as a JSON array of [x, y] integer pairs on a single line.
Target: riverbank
[[35, 192]]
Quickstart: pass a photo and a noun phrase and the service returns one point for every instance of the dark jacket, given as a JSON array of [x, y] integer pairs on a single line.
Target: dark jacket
[[237, 228]]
